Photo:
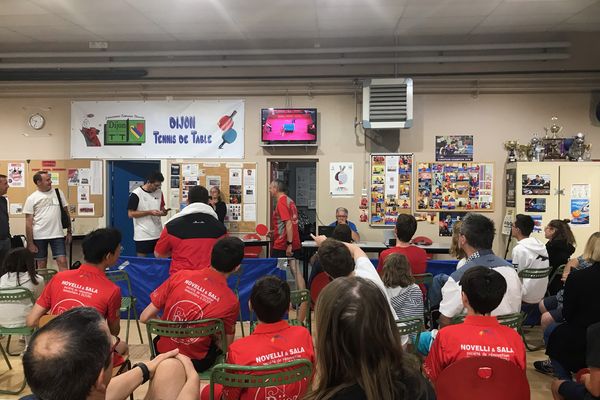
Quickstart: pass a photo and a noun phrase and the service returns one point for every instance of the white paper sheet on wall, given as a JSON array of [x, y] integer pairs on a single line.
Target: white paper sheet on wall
[[96, 177], [83, 193], [249, 212]]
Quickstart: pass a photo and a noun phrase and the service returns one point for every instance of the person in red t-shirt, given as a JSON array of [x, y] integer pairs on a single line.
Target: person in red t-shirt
[[190, 295], [273, 341], [480, 334], [88, 285], [406, 226], [284, 223]]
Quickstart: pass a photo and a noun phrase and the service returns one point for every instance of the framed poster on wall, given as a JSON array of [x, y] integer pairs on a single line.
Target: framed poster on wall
[[390, 187]]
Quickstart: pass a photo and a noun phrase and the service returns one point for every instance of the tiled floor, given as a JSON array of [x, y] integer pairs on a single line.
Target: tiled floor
[[540, 384]]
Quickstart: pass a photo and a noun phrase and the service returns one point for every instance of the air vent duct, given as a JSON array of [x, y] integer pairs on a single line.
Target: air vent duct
[[388, 103]]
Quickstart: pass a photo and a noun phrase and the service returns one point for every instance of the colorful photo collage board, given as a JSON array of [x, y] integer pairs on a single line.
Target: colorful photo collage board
[[391, 182], [462, 186]]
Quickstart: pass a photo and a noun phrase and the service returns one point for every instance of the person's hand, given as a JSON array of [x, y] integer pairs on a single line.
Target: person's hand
[[288, 250], [153, 364], [270, 235], [318, 239], [32, 247], [68, 238], [342, 222], [190, 372], [156, 213], [164, 211]]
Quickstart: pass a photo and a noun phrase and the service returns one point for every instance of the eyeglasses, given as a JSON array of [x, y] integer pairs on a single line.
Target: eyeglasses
[[341, 216]]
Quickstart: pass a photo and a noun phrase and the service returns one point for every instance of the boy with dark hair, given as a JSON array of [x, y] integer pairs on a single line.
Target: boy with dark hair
[[480, 334], [529, 253], [145, 206], [406, 226], [190, 295], [189, 236], [273, 341]]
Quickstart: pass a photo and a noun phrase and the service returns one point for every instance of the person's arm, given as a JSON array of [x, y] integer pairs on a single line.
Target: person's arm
[[289, 233], [355, 250], [221, 210], [451, 304], [571, 264], [69, 236], [519, 259], [592, 381], [124, 384], [150, 312], [34, 316], [114, 312], [355, 236], [300, 285], [29, 233]]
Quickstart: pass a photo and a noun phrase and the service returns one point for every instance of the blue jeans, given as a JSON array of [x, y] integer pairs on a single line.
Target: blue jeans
[[435, 291], [57, 245]]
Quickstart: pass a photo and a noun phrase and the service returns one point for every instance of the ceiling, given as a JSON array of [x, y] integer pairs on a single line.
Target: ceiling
[[35, 24]]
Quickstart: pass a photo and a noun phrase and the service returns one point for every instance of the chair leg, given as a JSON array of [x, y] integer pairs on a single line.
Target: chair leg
[[128, 323], [137, 320], [23, 384], [242, 323], [5, 356]]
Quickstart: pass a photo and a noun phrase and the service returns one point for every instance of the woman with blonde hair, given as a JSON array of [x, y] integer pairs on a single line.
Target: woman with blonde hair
[[455, 249], [359, 351], [217, 203]]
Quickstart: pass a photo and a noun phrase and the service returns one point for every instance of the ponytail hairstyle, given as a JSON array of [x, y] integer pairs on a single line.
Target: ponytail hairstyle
[[455, 250], [20, 260], [562, 231]]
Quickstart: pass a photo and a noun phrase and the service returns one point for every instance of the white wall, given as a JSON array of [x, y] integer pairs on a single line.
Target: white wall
[[491, 118]]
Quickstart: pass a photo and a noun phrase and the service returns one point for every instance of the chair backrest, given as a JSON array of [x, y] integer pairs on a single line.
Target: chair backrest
[[238, 376], [186, 329], [297, 298], [16, 294], [46, 273], [534, 273], [423, 279], [119, 275], [249, 250], [411, 326], [489, 378], [514, 320]]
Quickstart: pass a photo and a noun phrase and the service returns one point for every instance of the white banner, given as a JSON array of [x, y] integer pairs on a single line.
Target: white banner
[[157, 129]]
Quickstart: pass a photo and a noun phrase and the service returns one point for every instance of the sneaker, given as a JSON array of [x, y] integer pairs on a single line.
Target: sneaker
[[545, 367]]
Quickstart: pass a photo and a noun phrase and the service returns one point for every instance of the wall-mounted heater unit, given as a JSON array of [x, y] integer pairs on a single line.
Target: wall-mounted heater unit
[[388, 103]]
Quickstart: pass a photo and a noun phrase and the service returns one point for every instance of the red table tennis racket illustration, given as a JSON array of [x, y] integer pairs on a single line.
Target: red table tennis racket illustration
[[226, 125]]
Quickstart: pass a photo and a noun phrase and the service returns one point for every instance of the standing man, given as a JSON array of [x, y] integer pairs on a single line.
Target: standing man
[[284, 223], [4, 225], [341, 217], [43, 225], [146, 206]]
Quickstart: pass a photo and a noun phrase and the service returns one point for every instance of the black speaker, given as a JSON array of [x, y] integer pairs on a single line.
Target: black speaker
[[595, 109]]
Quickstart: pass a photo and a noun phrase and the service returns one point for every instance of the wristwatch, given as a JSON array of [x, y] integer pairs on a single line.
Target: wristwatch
[[289, 243]]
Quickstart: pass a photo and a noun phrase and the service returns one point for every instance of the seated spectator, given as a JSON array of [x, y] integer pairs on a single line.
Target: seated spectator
[[359, 351], [341, 218], [183, 297], [340, 259], [476, 239], [566, 342], [529, 253], [561, 244], [406, 226], [273, 341], [455, 250], [588, 385], [101, 250], [406, 297], [71, 358], [18, 271], [551, 307], [189, 236], [480, 334], [341, 232]]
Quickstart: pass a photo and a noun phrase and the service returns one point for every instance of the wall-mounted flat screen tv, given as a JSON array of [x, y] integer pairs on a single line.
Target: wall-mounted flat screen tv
[[289, 126]]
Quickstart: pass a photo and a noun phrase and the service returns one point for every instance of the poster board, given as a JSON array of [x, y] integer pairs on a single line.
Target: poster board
[[236, 180], [80, 180], [390, 182], [455, 186]]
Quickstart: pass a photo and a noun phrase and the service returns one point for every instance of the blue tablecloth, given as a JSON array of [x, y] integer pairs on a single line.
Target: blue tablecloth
[[146, 274]]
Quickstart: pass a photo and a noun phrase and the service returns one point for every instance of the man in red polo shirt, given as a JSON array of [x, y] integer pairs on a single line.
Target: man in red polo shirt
[[406, 226], [190, 295], [88, 285], [480, 334], [284, 223], [273, 341], [189, 236]]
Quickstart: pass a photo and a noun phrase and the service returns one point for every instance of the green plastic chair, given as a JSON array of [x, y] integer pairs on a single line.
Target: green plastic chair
[[236, 290], [532, 273], [127, 302], [427, 280], [8, 296], [238, 376], [411, 326], [46, 273], [558, 272], [188, 329], [514, 321]]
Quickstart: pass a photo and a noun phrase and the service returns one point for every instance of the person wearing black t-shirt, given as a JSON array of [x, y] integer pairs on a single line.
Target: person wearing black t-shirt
[[4, 225]]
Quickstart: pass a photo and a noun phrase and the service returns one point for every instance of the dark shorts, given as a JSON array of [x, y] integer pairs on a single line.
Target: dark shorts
[[574, 391], [275, 253], [554, 308], [57, 245], [145, 246], [200, 365]]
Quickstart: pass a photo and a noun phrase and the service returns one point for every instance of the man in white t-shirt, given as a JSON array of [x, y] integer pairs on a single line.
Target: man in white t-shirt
[[43, 225], [340, 259], [146, 205], [529, 253]]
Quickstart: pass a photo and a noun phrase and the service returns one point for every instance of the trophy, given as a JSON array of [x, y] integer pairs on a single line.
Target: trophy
[[587, 152], [553, 145], [537, 148], [511, 146], [577, 149], [524, 152]]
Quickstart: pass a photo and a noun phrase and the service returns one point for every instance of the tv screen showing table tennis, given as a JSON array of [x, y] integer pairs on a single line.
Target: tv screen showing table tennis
[[289, 125]]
